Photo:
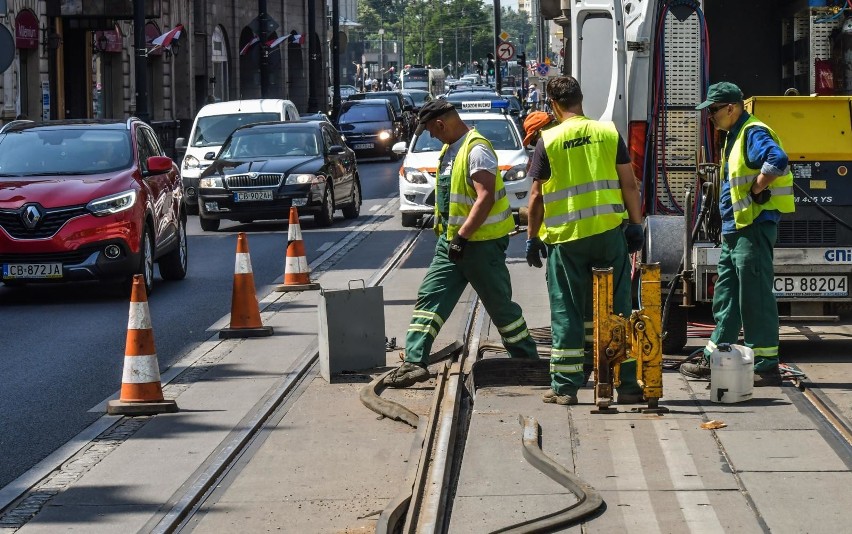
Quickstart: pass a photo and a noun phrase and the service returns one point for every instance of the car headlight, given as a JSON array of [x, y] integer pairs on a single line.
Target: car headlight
[[112, 204], [518, 172], [190, 162], [415, 176], [384, 135], [211, 182], [301, 179]]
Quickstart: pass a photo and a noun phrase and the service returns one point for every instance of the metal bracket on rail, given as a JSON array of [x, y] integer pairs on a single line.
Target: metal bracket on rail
[[617, 338]]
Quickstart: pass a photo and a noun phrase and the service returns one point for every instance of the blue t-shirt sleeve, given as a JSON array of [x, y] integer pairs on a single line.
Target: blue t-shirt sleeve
[[763, 151]]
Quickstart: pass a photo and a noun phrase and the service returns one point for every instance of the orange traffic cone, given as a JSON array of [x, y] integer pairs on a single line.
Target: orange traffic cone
[[245, 314], [141, 391], [296, 271]]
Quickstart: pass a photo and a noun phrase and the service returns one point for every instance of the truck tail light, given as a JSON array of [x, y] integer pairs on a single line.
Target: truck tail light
[[637, 137]]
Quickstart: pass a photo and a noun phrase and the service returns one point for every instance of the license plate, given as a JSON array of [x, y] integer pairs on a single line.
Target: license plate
[[811, 286], [363, 146], [247, 196], [32, 270]]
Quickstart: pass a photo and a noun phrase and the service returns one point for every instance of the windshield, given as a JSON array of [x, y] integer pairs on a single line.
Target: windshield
[[363, 113], [499, 132], [213, 130], [64, 151], [419, 98], [390, 97], [271, 143]]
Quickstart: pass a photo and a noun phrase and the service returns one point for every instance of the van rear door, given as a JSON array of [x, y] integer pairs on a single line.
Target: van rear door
[[599, 59]]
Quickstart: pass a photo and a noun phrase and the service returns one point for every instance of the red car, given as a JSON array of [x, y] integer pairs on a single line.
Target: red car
[[88, 199]]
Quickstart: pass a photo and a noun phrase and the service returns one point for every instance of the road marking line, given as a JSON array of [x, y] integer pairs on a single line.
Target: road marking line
[[325, 246], [377, 207], [630, 480]]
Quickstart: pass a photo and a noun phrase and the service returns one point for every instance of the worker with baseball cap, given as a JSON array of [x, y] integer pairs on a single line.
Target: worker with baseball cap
[[534, 123], [473, 220], [756, 188]]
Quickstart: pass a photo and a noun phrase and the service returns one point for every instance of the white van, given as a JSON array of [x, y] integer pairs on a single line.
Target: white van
[[213, 124]]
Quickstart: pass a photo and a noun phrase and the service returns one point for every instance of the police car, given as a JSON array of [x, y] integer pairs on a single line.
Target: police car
[[417, 174]]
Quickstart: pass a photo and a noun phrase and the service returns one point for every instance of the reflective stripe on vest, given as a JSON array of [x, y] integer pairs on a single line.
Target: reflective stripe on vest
[[463, 196], [741, 177], [583, 196]]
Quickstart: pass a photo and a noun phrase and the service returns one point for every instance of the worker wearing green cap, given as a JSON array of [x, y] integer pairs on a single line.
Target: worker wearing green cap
[[756, 188]]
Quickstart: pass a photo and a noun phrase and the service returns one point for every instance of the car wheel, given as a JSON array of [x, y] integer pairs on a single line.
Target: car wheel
[[325, 216], [409, 220], [208, 225], [146, 264], [174, 264], [352, 210]]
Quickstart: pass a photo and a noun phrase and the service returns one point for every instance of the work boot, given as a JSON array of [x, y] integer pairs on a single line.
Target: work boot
[[406, 375], [551, 397], [769, 377], [630, 398], [699, 369]]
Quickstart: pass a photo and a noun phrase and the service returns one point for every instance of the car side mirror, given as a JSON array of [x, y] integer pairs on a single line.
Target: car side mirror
[[336, 150], [399, 148], [180, 143], [159, 165], [408, 107], [210, 156]]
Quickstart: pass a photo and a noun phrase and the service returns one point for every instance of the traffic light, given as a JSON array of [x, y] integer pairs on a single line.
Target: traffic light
[[490, 64], [522, 59]]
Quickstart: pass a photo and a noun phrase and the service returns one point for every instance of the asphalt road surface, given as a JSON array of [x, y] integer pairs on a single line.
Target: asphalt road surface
[[62, 346]]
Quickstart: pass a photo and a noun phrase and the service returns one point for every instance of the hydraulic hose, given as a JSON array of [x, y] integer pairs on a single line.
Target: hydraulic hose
[[822, 208]]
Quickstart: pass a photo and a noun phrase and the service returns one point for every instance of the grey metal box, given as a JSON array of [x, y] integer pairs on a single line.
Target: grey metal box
[[351, 330]]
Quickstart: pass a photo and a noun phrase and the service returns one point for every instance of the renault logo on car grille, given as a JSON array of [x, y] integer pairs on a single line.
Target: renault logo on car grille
[[31, 216]]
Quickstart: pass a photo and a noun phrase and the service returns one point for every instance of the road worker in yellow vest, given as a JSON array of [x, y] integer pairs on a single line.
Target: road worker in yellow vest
[[473, 220], [584, 212], [756, 188]]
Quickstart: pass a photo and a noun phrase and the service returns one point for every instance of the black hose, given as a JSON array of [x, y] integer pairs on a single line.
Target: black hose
[[822, 208], [588, 498]]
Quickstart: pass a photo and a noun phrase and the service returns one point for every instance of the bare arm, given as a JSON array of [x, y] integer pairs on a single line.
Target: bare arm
[[535, 207], [630, 192], [484, 183]]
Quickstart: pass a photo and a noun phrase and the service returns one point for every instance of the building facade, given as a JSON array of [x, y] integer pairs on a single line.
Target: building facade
[[75, 58]]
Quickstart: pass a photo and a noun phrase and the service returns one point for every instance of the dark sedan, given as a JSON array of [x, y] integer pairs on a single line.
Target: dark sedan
[[264, 169], [370, 127]]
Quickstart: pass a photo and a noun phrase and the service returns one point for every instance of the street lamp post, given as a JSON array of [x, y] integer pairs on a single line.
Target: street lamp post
[[441, 42], [382, 57]]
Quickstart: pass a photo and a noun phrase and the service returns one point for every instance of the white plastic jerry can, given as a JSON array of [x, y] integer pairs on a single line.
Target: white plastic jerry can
[[731, 373]]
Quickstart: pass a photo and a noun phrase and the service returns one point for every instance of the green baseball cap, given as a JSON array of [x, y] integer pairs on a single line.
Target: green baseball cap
[[722, 93]]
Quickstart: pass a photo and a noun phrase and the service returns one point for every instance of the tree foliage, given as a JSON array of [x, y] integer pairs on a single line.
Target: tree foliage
[[465, 25]]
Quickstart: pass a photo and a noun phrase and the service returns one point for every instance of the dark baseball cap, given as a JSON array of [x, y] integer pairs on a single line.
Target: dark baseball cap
[[432, 110], [722, 93]]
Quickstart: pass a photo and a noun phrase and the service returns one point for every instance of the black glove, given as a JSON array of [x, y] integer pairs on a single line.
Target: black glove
[[635, 236], [457, 248], [535, 252], [762, 197]]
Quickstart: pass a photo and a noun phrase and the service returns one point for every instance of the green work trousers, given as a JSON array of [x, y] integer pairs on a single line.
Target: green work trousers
[[569, 285], [484, 267], [743, 296]]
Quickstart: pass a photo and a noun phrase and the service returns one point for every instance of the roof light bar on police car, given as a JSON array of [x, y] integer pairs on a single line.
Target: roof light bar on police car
[[483, 105]]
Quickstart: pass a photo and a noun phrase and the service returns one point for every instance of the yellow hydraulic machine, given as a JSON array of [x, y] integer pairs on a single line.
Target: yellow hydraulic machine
[[617, 338]]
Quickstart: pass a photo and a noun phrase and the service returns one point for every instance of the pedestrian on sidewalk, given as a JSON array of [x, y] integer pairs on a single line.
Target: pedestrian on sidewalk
[[473, 220], [533, 98], [582, 184], [757, 187]]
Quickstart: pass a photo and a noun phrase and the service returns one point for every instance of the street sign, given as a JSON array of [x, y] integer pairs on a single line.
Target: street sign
[[504, 36], [542, 69], [505, 51]]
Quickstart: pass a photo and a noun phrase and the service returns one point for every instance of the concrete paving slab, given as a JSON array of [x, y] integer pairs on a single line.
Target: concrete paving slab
[[92, 518], [790, 450], [490, 513], [339, 516], [802, 502]]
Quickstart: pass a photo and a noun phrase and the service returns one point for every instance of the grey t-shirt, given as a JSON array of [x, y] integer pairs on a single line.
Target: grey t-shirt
[[481, 158]]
